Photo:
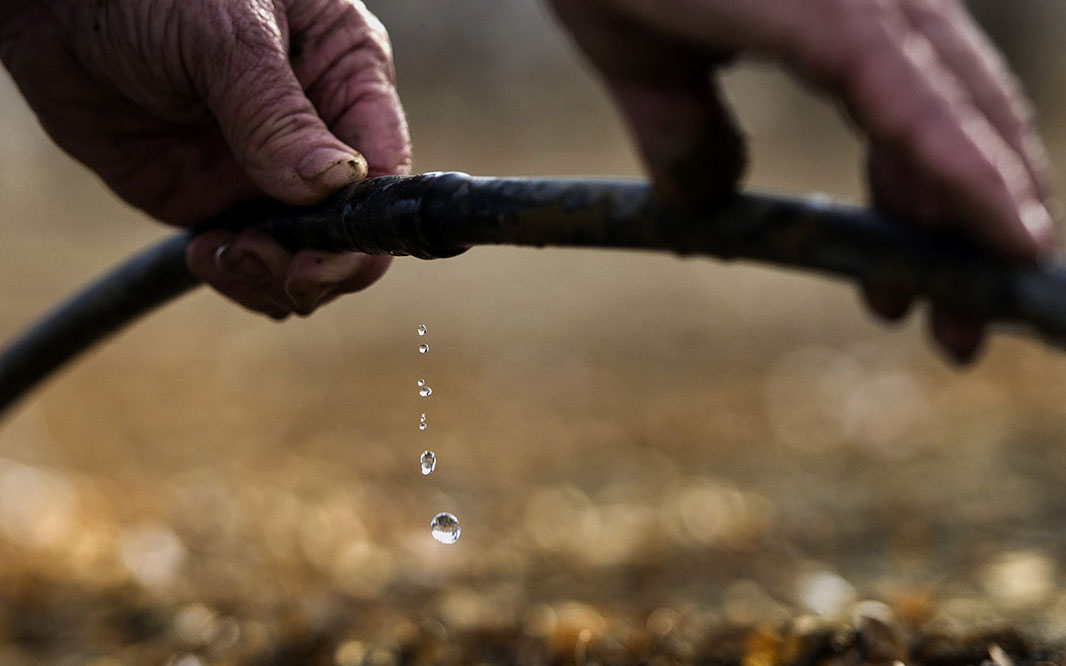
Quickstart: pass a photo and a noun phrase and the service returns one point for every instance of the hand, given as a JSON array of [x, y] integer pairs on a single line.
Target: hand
[[188, 107], [951, 139]]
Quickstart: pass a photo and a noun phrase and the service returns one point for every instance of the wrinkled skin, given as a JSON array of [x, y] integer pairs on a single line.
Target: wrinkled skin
[[950, 135], [187, 107]]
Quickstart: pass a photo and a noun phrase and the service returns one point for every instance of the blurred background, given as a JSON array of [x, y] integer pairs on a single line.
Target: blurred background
[[638, 447]]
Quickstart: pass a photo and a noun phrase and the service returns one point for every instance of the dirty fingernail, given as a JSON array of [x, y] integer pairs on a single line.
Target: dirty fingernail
[[332, 168], [243, 266]]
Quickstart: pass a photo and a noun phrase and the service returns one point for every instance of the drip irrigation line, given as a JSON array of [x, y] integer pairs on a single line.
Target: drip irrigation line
[[443, 214]]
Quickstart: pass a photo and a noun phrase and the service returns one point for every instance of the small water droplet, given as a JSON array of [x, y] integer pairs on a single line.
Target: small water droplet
[[429, 462], [425, 391], [445, 528], [423, 348], [422, 329], [421, 382], [422, 421], [422, 426]]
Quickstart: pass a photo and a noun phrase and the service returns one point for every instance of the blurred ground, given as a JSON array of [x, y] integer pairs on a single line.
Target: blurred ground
[[645, 453]]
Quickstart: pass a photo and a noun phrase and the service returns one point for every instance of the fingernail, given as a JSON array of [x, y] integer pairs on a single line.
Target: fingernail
[[332, 168], [306, 300], [242, 266]]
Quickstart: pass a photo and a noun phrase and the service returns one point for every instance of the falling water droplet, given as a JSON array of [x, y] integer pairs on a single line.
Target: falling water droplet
[[425, 391], [423, 348], [422, 329], [429, 462], [422, 421], [421, 382], [445, 528]]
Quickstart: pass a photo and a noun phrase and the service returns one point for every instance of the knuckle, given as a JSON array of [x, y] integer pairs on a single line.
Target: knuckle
[[839, 38], [914, 130], [1020, 105], [952, 8], [345, 37], [982, 175], [927, 7], [274, 128], [367, 31], [955, 159], [252, 36], [986, 175]]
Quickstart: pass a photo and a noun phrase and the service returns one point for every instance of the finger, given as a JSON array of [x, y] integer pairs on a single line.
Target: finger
[[947, 139], [897, 189], [248, 267], [994, 90], [246, 282], [687, 136], [764, 26], [270, 124], [889, 304], [314, 276], [664, 87], [342, 56], [961, 337], [343, 59]]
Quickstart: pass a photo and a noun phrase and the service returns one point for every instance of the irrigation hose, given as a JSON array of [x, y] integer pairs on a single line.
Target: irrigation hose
[[443, 214]]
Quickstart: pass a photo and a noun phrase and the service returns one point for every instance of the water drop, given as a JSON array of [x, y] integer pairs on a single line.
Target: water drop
[[422, 329], [429, 462], [423, 348], [422, 421], [421, 382], [445, 528], [425, 391]]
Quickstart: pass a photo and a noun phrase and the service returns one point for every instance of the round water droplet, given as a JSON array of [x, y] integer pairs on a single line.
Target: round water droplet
[[422, 329], [429, 462], [423, 348], [421, 426], [445, 528], [421, 382], [425, 391]]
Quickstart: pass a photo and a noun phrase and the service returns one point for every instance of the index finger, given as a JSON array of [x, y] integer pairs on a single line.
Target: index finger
[[344, 62]]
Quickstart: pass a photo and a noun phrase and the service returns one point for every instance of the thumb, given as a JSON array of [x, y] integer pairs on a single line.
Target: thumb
[[271, 126], [687, 135], [665, 89]]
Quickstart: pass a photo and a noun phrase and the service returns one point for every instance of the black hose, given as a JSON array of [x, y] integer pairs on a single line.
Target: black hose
[[442, 215]]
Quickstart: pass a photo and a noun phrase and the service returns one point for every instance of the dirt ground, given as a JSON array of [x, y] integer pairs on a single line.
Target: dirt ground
[[654, 460]]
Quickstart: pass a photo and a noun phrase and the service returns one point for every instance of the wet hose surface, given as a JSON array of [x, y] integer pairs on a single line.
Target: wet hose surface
[[442, 215]]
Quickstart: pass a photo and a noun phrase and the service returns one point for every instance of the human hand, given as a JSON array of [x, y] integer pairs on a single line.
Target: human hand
[[188, 107], [951, 138]]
